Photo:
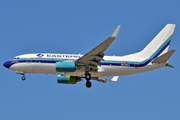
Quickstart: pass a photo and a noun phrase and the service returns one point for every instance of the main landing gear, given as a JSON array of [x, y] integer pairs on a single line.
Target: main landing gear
[[88, 77], [88, 84]]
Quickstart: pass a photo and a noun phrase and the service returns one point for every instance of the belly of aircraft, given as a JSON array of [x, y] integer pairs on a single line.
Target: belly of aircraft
[[50, 68]]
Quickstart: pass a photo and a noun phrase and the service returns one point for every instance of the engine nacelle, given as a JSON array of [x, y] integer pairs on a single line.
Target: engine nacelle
[[65, 66], [67, 79]]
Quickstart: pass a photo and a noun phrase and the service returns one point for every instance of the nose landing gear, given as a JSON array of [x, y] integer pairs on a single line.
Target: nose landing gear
[[23, 78]]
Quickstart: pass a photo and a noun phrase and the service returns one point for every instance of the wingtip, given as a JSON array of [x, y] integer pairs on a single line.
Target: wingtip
[[115, 78], [116, 31]]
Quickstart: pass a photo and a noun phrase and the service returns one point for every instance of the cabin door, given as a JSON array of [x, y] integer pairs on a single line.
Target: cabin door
[[136, 63], [29, 66]]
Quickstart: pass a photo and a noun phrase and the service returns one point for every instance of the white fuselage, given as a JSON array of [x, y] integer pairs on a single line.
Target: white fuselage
[[70, 68], [111, 66]]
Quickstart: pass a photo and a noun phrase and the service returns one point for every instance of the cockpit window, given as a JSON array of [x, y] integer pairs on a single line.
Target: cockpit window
[[16, 58]]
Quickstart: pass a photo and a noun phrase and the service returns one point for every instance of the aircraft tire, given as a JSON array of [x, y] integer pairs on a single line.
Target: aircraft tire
[[23, 78], [88, 84], [88, 76]]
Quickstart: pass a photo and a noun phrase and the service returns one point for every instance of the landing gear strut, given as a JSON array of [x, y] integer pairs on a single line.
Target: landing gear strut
[[88, 77], [23, 77]]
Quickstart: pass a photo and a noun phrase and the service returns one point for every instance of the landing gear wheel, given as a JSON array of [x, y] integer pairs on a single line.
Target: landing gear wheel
[[23, 78], [88, 76], [88, 84]]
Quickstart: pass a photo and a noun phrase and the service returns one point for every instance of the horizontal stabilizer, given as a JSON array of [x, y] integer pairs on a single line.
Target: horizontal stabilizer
[[164, 58], [168, 65]]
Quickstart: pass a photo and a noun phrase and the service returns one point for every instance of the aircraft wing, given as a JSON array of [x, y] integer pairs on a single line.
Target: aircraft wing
[[104, 80], [94, 57]]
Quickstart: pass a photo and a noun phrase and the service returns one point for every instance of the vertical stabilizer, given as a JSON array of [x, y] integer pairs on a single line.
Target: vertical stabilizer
[[160, 44]]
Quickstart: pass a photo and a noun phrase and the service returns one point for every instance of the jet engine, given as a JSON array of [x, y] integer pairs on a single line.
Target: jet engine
[[65, 66], [67, 79]]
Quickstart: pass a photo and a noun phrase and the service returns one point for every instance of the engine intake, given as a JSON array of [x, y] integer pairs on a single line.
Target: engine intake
[[65, 66], [67, 79]]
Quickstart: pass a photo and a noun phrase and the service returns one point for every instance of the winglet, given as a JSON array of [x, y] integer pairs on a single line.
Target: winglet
[[115, 78], [116, 32]]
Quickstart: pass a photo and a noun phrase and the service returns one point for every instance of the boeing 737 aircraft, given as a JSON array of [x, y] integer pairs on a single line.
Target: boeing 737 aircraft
[[71, 68]]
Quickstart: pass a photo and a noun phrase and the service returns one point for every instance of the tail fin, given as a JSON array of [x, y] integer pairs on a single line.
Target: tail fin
[[160, 44]]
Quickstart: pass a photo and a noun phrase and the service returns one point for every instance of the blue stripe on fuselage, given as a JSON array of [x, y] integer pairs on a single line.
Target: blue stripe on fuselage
[[130, 63]]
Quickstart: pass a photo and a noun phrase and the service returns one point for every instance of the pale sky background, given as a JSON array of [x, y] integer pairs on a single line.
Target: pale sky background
[[73, 27]]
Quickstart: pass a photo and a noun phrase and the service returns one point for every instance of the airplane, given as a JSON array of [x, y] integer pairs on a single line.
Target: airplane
[[94, 65]]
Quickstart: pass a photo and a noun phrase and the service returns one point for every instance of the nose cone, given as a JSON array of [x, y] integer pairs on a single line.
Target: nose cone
[[7, 64]]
